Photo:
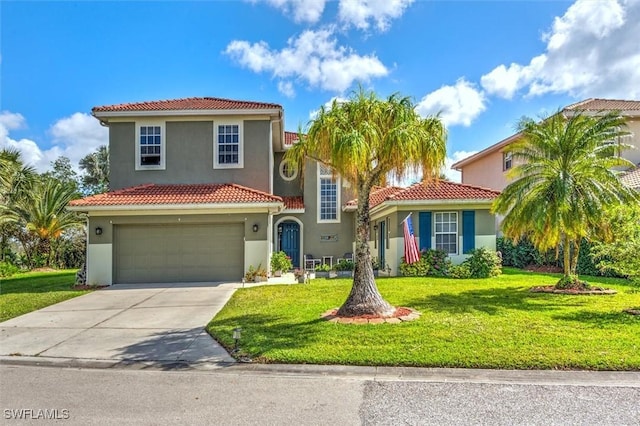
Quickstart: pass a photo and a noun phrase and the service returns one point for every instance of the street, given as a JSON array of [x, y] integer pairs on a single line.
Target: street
[[237, 397]]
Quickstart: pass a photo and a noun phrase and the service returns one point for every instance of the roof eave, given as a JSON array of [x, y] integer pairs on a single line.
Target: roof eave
[[187, 112], [493, 148], [185, 206]]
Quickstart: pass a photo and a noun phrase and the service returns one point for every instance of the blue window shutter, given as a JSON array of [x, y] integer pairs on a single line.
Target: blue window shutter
[[468, 231], [424, 219]]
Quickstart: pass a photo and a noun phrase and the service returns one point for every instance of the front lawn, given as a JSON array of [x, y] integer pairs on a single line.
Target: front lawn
[[482, 323], [27, 292]]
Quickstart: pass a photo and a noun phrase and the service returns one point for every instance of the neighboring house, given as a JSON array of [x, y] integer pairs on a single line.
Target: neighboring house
[[488, 167], [448, 216], [200, 192]]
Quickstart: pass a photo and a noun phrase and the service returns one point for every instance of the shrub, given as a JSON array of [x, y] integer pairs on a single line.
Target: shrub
[[7, 269], [483, 263], [431, 263], [460, 271], [344, 265], [323, 267], [280, 262], [519, 255]]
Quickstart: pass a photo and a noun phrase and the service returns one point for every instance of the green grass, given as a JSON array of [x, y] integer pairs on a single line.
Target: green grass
[[484, 323], [27, 292]]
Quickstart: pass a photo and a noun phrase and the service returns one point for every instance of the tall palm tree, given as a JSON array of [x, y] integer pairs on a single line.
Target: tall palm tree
[[563, 182], [364, 140]]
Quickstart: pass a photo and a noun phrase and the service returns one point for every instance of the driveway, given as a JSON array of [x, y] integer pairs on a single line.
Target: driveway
[[148, 322]]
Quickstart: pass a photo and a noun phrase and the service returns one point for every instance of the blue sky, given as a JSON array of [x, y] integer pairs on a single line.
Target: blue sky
[[481, 64]]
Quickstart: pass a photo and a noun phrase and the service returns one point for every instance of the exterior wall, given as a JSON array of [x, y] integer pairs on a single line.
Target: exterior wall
[[282, 187], [100, 265], [633, 155], [486, 172], [189, 155]]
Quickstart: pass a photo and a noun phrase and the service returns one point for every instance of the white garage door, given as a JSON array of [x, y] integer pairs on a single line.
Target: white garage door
[[178, 253]]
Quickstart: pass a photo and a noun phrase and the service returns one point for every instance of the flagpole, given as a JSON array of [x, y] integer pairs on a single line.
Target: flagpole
[[408, 216]]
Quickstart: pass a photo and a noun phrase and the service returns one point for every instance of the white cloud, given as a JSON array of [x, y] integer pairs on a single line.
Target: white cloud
[[309, 11], [339, 99], [314, 57], [458, 104], [454, 175], [286, 88], [359, 13], [74, 137], [591, 51]]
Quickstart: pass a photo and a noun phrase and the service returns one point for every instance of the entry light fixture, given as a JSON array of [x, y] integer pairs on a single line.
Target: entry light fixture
[[375, 227], [98, 230], [279, 229], [237, 333], [255, 227]]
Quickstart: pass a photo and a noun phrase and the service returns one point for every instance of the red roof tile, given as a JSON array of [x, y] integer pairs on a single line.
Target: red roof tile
[[290, 138], [594, 104], [187, 104], [632, 178], [152, 194], [293, 203], [432, 191]]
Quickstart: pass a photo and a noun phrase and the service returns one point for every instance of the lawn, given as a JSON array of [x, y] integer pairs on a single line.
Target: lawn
[[27, 292], [482, 323]]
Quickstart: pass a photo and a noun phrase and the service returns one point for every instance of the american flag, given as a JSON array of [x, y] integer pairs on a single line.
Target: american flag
[[411, 253]]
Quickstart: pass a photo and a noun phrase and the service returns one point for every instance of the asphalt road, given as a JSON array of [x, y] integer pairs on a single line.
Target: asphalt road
[[218, 397]]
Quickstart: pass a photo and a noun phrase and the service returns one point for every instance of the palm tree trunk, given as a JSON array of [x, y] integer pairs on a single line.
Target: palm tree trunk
[[566, 255], [574, 257], [364, 298]]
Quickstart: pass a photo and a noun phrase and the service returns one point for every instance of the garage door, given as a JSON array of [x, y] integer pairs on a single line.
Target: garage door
[[178, 253]]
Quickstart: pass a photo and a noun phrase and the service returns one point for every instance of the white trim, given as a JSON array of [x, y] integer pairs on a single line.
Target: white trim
[[240, 124], [200, 208], [293, 211], [318, 196], [163, 144], [179, 112], [281, 170], [301, 233]]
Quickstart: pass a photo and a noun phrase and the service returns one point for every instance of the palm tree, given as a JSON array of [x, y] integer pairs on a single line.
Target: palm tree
[[364, 140], [563, 182]]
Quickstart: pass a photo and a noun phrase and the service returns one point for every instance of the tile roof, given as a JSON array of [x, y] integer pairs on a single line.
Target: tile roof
[[187, 104], [293, 203], [594, 104], [432, 191], [152, 194], [290, 138], [632, 178]]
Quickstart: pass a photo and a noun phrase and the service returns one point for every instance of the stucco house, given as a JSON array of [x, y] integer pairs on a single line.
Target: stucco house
[[488, 167], [199, 191]]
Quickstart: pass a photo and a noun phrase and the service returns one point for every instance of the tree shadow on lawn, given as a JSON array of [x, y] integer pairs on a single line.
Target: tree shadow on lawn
[[260, 332], [601, 319], [492, 301]]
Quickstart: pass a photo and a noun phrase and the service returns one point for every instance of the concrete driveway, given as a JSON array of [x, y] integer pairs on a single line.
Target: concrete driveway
[[148, 322]]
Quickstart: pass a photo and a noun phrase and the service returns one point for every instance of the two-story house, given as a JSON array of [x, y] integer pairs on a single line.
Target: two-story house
[[200, 192], [488, 167]]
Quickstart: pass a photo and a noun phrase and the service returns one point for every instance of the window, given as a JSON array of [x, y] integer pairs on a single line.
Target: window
[[228, 146], [288, 170], [328, 195], [507, 161], [150, 149], [447, 232]]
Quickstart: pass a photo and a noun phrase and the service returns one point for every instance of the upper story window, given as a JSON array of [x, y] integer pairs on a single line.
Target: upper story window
[[150, 147], [228, 146], [328, 195], [447, 232], [288, 170], [507, 161]]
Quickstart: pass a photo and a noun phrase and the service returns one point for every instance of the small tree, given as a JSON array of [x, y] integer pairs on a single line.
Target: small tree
[[95, 167]]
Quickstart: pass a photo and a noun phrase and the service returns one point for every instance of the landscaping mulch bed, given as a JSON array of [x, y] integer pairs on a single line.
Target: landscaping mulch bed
[[402, 314], [88, 287], [572, 291]]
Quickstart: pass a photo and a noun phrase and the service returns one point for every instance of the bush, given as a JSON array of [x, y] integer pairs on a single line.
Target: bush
[[344, 265], [280, 262], [483, 263], [431, 263], [460, 271], [7, 269], [323, 267], [519, 255]]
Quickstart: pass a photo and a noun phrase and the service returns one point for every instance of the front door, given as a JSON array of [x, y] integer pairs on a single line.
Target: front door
[[290, 241], [381, 243]]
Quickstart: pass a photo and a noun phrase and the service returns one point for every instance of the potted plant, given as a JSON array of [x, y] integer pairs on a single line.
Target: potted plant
[[344, 268], [322, 271], [300, 275], [280, 262], [261, 274]]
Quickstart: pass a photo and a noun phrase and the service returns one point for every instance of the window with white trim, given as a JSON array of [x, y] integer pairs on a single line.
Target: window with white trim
[[150, 147], [507, 161], [328, 195], [228, 146], [288, 170], [446, 232]]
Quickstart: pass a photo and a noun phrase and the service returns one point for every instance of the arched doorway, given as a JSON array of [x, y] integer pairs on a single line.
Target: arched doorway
[[289, 240]]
